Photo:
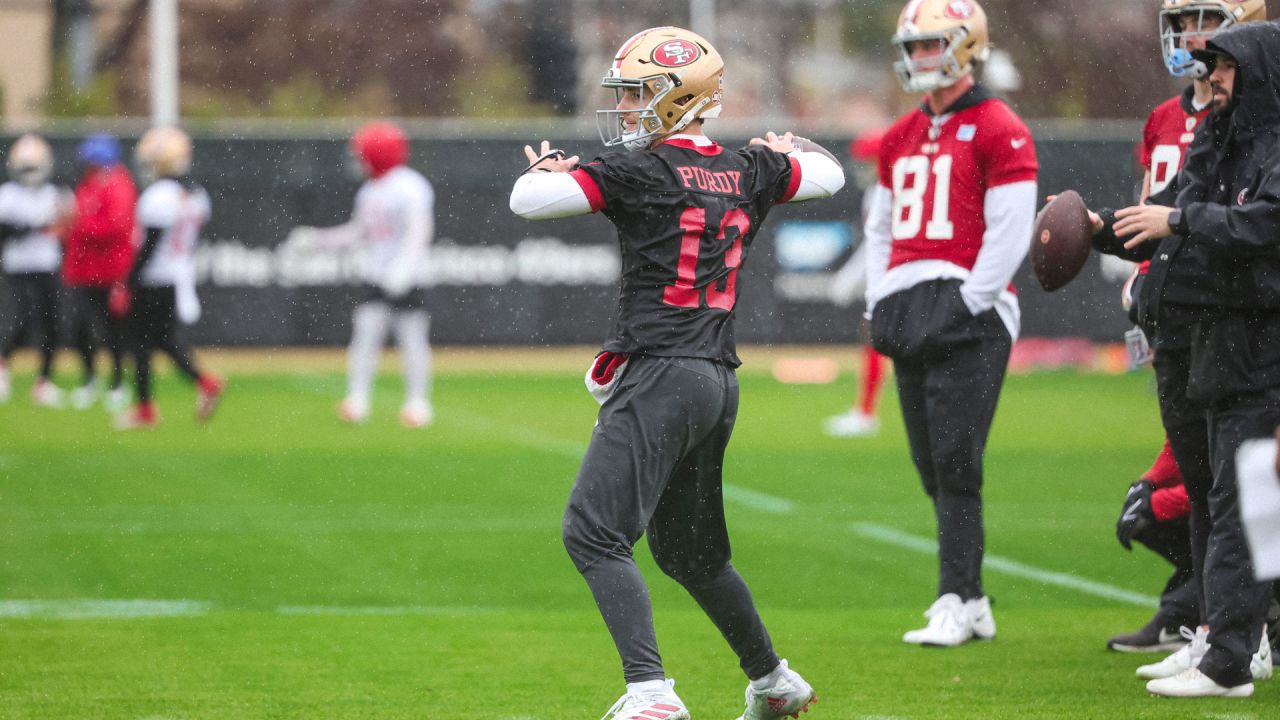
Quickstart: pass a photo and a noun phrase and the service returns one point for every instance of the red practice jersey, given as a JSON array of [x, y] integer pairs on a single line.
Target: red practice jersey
[[1165, 137], [939, 174]]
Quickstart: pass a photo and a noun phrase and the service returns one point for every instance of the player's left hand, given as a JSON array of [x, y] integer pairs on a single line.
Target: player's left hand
[[1136, 514], [784, 143], [1143, 222], [549, 160]]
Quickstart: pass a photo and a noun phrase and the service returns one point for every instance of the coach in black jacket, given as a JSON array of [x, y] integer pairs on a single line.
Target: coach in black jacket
[[1213, 237]]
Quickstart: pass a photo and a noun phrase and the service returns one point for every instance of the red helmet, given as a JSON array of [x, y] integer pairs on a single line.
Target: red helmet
[[866, 147], [380, 147]]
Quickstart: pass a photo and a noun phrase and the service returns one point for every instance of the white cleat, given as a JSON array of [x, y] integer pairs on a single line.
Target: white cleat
[[83, 397], [117, 399], [6, 389], [949, 624], [980, 618], [786, 694], [1187, 658], [353, 410], [1260, 664], [416, 414], [854, 423], [1192, 683], [650, 703], [45, 394]]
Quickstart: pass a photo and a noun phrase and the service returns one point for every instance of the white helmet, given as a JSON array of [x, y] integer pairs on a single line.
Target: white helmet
[[30, 160], [164, 152]]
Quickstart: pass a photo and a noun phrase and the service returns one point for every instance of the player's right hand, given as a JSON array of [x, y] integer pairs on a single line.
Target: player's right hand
[[1094, 218], [1136, 515], [549, 160], [119, 300]]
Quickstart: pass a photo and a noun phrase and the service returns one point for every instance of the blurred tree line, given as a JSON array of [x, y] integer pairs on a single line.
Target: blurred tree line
[[517, 58]]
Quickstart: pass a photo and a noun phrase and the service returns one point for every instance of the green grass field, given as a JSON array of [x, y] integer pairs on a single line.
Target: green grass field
[[275, 564]]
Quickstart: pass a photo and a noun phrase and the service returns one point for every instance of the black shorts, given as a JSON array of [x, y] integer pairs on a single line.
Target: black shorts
[[415, 299]]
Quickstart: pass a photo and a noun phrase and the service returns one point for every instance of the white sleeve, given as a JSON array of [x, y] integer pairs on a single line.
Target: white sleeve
[[1010, 212], [159, 205], [548, 195], [820, 176], [419, 227], [877, 237]]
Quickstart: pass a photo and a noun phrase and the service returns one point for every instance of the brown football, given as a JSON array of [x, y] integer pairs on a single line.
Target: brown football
[[1061, 242]]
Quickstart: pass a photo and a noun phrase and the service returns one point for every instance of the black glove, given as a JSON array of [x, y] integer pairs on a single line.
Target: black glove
[[1136, 514]]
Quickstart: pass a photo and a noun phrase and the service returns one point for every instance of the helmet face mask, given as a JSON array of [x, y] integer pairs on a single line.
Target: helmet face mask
[[30, 161], [1183, 20], [659, 103], [959, 27]]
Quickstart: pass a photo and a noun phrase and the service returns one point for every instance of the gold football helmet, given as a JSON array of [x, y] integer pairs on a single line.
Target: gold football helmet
[[30, 160], [960, 26], [1183, 19], [164, 152], [678, 76]]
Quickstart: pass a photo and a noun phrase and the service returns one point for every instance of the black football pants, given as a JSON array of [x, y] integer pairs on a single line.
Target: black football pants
[[948, 400], [1237, 603], [153, 326], [88, 309], [34, 303], [1188, 431], [654, 464], [1180, 600]]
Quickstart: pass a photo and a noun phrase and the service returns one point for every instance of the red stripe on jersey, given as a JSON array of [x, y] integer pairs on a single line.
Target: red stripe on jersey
[[794, 186], [709, 150], [589, 188]]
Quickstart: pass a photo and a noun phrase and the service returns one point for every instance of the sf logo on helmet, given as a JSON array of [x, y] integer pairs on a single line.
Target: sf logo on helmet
[[960, 9], [676, 53]]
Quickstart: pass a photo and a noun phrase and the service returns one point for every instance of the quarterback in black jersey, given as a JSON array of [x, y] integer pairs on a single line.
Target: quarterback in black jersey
[[686, 211]]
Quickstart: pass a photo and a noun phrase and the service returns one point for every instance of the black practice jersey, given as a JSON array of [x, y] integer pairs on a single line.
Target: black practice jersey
[[686, 215]]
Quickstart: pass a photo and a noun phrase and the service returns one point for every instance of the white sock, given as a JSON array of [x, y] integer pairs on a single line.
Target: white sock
[[649, 687], [411, 335], [368, 332]]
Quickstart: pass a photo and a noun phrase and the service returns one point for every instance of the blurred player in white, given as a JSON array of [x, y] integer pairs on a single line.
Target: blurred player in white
[[171, 212], [947, 230], [394, 221], [30, 208]]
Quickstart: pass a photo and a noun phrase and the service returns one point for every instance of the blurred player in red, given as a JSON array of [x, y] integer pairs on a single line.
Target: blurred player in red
[[686, 211], [393, 222], [850, 284], [161, 286], [31, 208], [946, 231], [96, 260]]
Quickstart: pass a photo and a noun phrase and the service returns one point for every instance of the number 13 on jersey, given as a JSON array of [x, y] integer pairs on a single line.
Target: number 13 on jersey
[[911, 181]]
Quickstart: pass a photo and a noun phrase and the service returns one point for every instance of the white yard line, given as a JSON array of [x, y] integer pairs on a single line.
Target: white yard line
[[87, 609], [925, 546]]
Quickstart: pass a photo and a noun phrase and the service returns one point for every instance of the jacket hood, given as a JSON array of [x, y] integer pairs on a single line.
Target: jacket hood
[[1256, 49]]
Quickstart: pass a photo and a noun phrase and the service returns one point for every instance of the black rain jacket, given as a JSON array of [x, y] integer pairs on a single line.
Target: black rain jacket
[[1214, 285]]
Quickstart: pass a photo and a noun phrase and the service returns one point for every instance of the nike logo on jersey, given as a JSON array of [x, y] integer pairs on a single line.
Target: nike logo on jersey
[[725, 181], [1017, 144]]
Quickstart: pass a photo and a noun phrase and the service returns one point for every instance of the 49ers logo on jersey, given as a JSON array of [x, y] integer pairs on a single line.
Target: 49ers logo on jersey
[[960, 9], [676, 53]]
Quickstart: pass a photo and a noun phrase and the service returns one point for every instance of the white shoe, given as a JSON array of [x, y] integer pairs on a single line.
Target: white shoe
[[117, 399], [1193, 683], [416, 414], [980, 618], [6, 389], [786, 694], [83, 397], [45, 394], [1184, 659], [1260, 664], [949, 624], [353, 410], [656, 703], [854, 423]]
